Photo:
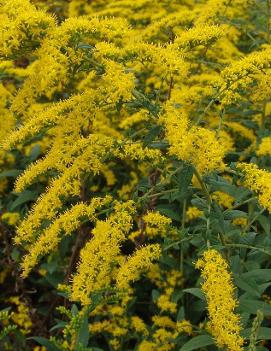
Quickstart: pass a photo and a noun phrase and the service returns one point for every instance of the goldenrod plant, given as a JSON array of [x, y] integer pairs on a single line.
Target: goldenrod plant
[[135, 180]]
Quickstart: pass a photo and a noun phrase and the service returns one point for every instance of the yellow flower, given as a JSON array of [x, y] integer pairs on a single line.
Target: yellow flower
[[184, 326], [197, 145], [147, 346], [65, 224], [164, 301], [139, 326], [264, 148], [192, 213], [100, 253], [156, 224], [223, 198], [21, 316], [257, 180], [241, 221], [163, 321], [221, 302], [11, 218], [141, 260]]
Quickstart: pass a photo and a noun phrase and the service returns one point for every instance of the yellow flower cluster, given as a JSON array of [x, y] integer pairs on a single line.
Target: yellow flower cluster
[[264, 148], [197, 145], [156, 224], [223, 199], [167, 330], [172, 281], [101, 252], [21, 315], [142, 259], [240, 221], [243, 74], [219, 290], [21, 22], [192, 213], [11, 218], [65, 224], [259, 181]]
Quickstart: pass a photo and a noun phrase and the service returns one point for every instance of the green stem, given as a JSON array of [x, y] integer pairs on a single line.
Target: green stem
[[253, 220], [244, 246], [203, 185], [255, 331], [184, 214], [175, 243], [241, 204], [263, 117], [209, 199], [148, 193], [268, 5], [223, 242], [147, 196], [221, 119], [183, 227]]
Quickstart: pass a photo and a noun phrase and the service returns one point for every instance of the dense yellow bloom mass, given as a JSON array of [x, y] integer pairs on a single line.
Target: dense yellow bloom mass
[[219, 290], [258, 180], [244, 73], [156, 224], [100, 253], [264, 148], [130, 270], [21, 22], [21, 315], [197, 145], [65, 224]]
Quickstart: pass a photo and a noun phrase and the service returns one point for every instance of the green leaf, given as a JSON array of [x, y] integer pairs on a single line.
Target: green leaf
[[60, 325], [84, 46], [263, 334], [74, 310], [265, 223], [263, 287], [216, 216], [196, 292], [143, 101], [35, 152], [45, 342], [155, 295], [12, 173], [184, 178], [15, 254], [198, 342], [252, 306], [248, 285], [176, 296], [152, 134], [201, 204], [169, 211], [260, 275], [83, 333], [220, 184], [181, 314], [24, 197], [162, 145], [232, 214]]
